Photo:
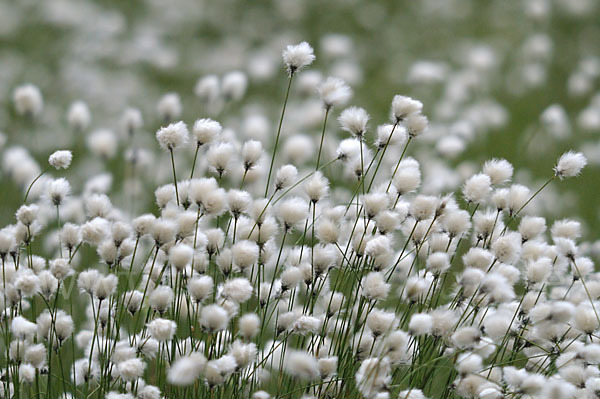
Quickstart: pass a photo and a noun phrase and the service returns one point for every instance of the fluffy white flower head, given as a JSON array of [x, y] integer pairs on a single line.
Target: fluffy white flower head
[[60, 159], [570, 164], [172, 136], [296, 57]]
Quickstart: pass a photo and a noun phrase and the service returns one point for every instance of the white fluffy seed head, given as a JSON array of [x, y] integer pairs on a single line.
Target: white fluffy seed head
[[391, 135], [200, 288], [22, 328], [518, 195], [206, 131], [103, 143], [407, 178], [403, 106], [566, 228], [507, 248], [354, 120], [499, 170], [172, 136], [416, 124], [181, 255], [238, 290], [381, 322], [186, 369], [423, 207], [249, 325], [60, 159], [420, 324], [301, 365], [296, 57], [79, 116], [285, 176], [438, 263], [161, 298], [570, 164], [131, 120], [208, 89], [219, 157], [290, 278], [58, 190], [531, 227], [169, 107], [27, 214], [375, 287], [316, 187], [214, 318], [291, 212], [105, 286], [245, 254], [477, 188], [28, 100], [334, 92], [162, 329], [234, 85]]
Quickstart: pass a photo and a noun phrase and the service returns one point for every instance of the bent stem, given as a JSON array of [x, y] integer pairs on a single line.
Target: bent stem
[[287, 94], [33, 182]]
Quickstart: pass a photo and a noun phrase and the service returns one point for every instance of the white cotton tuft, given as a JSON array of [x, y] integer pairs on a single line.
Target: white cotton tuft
[[131, 369], [316, 187], [200, 288], [354, 120], [334, 92], [477, 188], [219, 157], [172, 136], [415, 124], [249, 325], [207, 89], [58, 190], [297, 57], [499, 170], [301, 365], [420, 324], [161, 298], [238, 289], [251, 152], [162, 329], [372, 376], [79, 116], [206, 131], [28, 100], [234, 85], [60, 159], [291, 212], [131, 120], [186, 369], [245, 254], [531, 227], [403, 106], [570, 164], [169, 107], [214, 318], [285, 176]]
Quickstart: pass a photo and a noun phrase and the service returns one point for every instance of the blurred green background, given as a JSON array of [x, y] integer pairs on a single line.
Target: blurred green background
[[115, 54]]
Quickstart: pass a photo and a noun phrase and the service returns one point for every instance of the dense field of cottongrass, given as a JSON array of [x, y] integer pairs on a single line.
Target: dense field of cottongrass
[[192, 207], [251, 277]]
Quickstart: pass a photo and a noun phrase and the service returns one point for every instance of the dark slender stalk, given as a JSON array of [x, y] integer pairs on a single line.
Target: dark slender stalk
[[174, 176], [287, 94], [323, 137], [33, 182]]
